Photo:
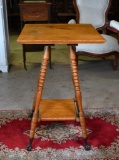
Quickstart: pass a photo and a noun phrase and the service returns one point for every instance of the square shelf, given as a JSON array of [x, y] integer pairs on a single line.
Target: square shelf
[[57, 110]]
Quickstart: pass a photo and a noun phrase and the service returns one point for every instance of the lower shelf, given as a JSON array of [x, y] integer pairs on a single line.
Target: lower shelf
[[57, 110]]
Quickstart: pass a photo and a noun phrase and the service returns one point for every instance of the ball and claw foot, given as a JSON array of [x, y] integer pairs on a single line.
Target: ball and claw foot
[[31, 114], [29, 148], [87, 147]]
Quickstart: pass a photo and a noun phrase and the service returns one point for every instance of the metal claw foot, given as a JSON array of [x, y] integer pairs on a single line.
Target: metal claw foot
[[87, 146], [29, 147], [31, 114]]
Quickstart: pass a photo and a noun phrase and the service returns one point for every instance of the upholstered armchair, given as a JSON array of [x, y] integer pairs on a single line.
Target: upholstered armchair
[[95, 12]]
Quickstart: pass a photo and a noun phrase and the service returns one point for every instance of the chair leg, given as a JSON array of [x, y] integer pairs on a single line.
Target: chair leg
[[116, 61], [24, 57], [50, 63]]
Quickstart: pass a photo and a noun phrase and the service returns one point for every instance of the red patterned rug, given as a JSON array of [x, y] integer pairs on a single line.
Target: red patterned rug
[[60, 140]]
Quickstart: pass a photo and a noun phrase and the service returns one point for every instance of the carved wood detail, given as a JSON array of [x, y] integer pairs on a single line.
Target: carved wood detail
[[34, 12]]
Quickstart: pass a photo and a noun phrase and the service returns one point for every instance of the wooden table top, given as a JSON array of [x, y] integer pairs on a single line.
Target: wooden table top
[[59, 34]]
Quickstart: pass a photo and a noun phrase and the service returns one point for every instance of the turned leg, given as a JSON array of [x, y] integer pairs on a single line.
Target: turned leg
[[34, 101], [38, 96], [78, 96]]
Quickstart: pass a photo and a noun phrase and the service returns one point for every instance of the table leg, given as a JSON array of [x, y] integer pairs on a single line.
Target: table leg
[[49, 57], [38, 95], [24, 56], [78, 96]]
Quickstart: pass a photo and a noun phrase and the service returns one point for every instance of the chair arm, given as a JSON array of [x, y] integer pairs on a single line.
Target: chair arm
[[72, 21], [114, 24], [114, 27]]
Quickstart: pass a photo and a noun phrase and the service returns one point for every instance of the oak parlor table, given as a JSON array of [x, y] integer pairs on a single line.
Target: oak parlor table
[[58, 109]]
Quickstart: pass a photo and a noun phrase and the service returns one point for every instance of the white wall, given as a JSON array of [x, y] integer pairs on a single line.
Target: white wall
[[4, 37]]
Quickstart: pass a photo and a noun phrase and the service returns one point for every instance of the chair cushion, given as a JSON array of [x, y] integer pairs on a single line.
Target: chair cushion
[[110, 45]]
